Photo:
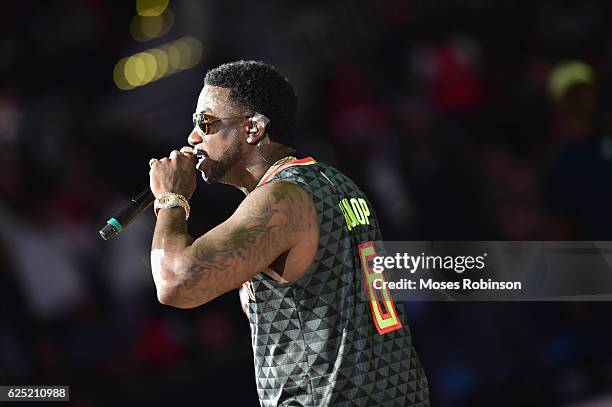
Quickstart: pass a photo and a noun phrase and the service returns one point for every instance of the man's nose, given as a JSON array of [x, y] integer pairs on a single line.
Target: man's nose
[[194, 137]]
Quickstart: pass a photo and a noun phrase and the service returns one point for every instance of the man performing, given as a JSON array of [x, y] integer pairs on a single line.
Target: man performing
[[301, 243]]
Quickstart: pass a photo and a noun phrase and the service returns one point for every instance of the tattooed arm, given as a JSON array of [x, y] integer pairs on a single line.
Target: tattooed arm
[[271, 220]]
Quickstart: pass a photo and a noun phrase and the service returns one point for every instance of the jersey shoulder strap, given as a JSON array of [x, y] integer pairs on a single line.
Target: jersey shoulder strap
[[298, 161]]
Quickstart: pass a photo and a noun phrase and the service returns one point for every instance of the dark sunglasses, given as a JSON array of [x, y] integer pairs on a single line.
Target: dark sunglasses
[[204, 122]]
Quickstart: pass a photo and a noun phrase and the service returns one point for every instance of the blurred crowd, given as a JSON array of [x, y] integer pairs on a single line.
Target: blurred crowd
[[462, 120]]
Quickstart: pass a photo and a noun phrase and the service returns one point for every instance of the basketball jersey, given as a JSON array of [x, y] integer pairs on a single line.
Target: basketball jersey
[[322, 340]]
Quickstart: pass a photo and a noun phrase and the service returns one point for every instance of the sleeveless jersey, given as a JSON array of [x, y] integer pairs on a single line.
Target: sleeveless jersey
[[321, 340]]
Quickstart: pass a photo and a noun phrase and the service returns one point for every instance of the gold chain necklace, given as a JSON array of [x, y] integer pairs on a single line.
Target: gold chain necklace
[[277, 164], [283, 161]]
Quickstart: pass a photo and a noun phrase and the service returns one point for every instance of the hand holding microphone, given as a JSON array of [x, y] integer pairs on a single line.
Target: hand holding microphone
[[174, 174]]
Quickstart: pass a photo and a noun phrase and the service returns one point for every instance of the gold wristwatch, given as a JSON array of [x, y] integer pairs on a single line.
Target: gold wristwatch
[[170, 200]]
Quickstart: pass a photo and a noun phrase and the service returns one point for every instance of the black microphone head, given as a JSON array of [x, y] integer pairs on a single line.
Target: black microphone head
[[108, 231]]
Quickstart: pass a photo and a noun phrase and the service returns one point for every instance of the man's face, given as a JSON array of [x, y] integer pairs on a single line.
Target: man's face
[[221, 147]]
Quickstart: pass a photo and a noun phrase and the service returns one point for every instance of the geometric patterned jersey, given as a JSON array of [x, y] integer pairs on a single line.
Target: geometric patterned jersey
[[315, 340]]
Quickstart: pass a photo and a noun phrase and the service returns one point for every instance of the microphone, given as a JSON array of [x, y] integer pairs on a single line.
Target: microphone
[[142, 202], [116, 224]]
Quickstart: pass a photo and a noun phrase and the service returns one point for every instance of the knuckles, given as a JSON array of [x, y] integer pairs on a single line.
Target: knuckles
[[177, 159]]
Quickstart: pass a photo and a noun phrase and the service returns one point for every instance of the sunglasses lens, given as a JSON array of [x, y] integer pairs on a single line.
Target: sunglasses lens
[[199, 121], [203, 125]]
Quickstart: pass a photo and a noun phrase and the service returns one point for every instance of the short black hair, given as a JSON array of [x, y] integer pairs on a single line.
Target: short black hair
[[259, 87]]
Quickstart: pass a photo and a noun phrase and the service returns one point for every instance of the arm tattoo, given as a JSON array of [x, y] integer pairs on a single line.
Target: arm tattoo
[[268, 223]]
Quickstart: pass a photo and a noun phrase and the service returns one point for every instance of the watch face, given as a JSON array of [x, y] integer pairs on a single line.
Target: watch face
[[170, 201]]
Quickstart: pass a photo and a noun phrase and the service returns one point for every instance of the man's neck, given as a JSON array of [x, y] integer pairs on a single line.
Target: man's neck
[[253, 169]]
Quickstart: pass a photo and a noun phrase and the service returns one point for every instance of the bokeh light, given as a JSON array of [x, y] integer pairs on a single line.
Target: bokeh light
[[161, 58], [567, 74], [145, 28], [194, 48], [151, 8], [119, 75], [156, 63], [174, 56]]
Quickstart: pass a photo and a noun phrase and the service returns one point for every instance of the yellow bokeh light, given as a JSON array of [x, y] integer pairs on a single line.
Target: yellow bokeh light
[[150, 65], [569, 73], [136, 29], [151, 8], [156, 63], [184, 52], [134, 70], [151, 27], [174, 56], [196, 50], [119, 75], [168, 22], [162, 62], [146, 28]]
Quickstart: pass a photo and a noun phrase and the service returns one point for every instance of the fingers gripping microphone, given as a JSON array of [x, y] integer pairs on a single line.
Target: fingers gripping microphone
[[116, 224], [143, 201]]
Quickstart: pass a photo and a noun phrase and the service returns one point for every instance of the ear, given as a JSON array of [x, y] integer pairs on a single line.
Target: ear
[[257, 131]]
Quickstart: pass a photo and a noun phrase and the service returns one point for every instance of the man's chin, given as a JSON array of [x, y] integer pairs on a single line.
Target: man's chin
[[207, 178], [207, 171], [210, 177], [214, 172]]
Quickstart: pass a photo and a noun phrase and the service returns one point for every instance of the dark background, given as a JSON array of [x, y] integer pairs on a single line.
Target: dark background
[[441, 110]]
